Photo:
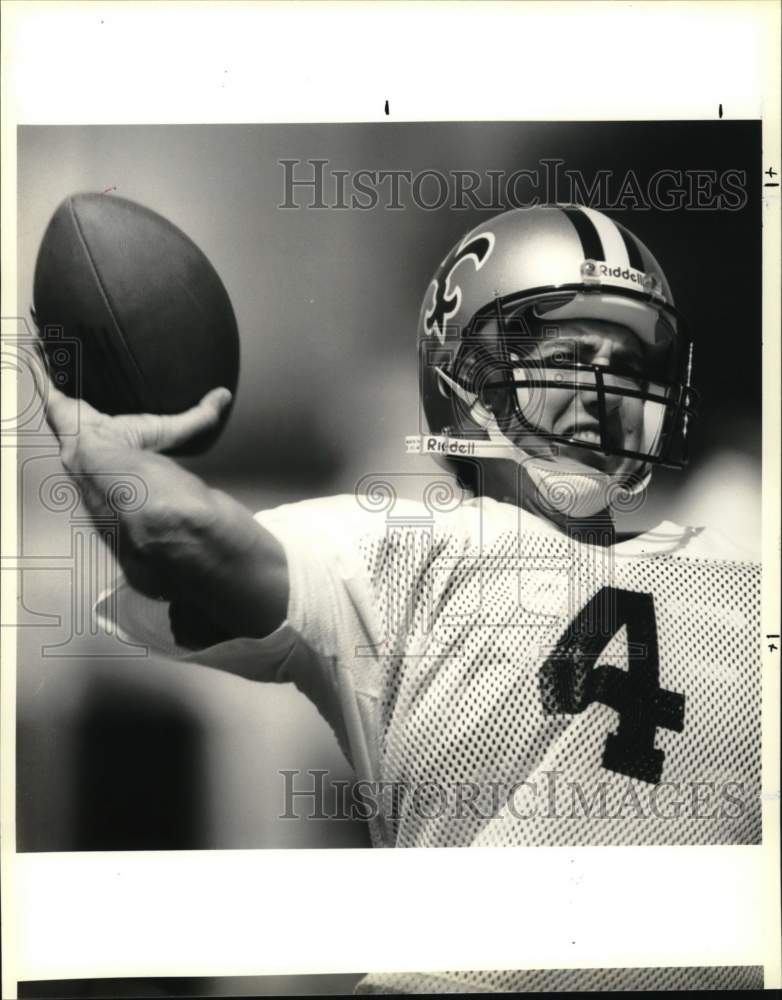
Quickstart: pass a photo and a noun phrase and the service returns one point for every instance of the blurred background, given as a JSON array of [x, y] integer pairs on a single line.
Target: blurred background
[[118, 751]]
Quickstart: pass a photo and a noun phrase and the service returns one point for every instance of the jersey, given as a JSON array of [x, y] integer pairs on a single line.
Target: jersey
[[495, 682], [748, 977]]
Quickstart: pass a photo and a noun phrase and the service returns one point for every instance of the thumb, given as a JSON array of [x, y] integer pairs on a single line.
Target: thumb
[[166, 432]]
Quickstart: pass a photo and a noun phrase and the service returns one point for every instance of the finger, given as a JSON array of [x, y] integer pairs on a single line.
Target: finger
[[59, 410], [166, 432], [63, 414], [40, 370]]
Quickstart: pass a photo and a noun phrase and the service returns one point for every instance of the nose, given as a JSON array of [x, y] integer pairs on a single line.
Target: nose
[[604, 351], [589, 398]]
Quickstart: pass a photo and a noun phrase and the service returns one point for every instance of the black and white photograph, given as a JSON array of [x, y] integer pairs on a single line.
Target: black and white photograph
[[393, 484]]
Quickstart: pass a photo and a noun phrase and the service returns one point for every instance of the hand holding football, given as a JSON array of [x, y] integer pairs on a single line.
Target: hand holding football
[[152, 320]]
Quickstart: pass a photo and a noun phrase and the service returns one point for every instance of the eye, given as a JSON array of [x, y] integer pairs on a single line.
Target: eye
[[633, 364], [564, 354]]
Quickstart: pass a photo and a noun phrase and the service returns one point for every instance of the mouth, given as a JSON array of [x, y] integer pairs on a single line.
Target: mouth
[[589, 433]]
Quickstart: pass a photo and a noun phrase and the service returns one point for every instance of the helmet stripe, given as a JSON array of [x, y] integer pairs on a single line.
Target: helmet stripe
[[614, 246], [634, 255], [591, 243]]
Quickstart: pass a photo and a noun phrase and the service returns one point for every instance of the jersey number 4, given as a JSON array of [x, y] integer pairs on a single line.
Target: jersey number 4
[[570, 681]]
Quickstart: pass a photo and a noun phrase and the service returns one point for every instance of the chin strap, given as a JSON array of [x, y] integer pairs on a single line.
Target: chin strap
[[570, 492], [573, 492], [582, 494]]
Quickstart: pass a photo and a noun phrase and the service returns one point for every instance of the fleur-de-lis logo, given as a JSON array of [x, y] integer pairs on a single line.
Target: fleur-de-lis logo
[[447, 298]]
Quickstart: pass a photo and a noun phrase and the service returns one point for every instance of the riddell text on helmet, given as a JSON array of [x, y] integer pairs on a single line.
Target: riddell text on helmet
[[597, 271], [434, 444], [625, 273]]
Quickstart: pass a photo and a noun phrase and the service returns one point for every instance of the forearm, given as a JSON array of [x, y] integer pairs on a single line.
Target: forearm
[[241, 576], [186, 542]]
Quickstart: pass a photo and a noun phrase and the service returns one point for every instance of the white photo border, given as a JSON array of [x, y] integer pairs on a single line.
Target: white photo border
[[264, 62]]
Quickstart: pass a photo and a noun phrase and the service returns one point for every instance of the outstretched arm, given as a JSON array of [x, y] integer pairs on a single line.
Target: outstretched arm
[[193, 545]]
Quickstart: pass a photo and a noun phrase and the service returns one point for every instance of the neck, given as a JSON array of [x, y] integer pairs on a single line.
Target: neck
[[595, 529], [512, 485]]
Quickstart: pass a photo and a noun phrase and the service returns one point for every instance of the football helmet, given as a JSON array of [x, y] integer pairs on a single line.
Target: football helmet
[[510, 321]]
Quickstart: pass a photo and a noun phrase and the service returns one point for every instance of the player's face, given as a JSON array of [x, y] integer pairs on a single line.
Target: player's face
[[575, 412]]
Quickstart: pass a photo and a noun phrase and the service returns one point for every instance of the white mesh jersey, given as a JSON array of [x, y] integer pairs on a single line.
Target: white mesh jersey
[[494, 682], [499, 683], [749, 977]]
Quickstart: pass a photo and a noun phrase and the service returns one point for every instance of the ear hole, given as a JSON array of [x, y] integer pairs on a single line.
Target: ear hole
[[481, 414], [498, 402]]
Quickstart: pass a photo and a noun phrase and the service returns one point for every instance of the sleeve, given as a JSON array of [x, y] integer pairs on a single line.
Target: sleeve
[[331, 615], [321, 540], [143, 620], [280, 657], [360, 585], [328, 545], [353, 577]]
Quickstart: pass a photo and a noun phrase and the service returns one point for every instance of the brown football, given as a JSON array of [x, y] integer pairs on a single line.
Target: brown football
[[153, 322]]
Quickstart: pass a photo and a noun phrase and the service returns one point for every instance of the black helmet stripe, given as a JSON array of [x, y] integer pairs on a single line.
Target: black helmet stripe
[[591, 243], [634, 255]]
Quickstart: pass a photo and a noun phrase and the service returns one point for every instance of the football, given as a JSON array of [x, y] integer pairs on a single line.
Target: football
[[135, 309]]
